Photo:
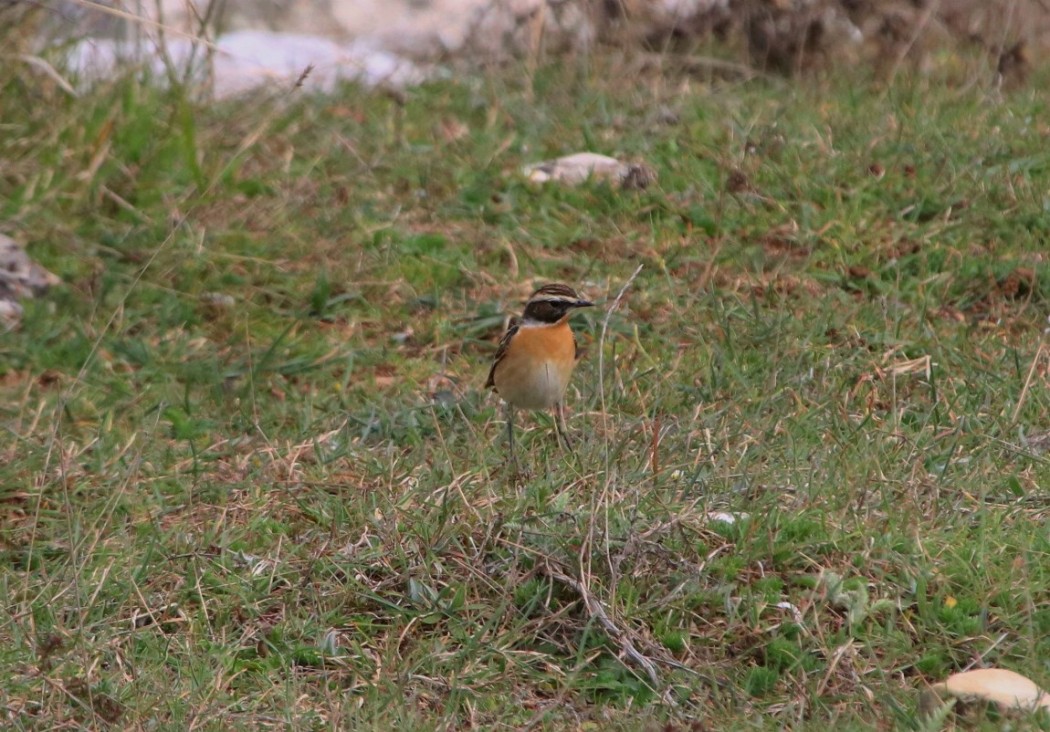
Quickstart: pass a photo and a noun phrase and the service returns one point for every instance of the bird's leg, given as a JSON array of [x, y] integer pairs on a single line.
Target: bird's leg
[[510, 438], [563, 430]]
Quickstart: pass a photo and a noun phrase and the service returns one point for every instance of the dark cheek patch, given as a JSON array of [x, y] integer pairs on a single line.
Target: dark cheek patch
[[545, 312]]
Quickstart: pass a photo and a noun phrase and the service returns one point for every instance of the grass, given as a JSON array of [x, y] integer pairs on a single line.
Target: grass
[[251, 480]]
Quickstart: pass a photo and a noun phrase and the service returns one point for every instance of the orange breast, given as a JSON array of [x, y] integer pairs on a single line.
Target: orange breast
[[535, 371]]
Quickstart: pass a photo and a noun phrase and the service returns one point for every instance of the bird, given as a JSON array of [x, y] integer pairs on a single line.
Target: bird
[[536, 357]]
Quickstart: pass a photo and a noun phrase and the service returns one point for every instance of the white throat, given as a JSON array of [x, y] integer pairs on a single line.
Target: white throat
[[533, 323]]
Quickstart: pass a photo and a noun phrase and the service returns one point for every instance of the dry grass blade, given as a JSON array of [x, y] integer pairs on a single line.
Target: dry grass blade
[[601, 356], [1027, 382], [148, 22], [50, 72], [596, 611], [921, 365]]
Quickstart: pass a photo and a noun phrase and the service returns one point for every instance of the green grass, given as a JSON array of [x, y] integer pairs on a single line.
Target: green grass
[[292, 509]]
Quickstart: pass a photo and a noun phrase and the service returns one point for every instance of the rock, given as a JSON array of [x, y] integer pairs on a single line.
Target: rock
[[247, 60], [20, 277], [580, 167], [1008, 689]]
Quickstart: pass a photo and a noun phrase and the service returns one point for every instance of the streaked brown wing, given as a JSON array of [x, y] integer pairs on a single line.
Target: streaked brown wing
[[504, 342]]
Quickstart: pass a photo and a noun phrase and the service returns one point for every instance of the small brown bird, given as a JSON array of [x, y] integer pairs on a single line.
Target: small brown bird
[[536, 357]]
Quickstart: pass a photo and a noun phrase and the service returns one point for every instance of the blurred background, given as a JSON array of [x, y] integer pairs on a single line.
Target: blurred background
[[780, 36]]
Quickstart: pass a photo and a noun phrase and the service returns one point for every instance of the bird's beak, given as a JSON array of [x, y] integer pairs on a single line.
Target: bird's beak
[[583, 304]]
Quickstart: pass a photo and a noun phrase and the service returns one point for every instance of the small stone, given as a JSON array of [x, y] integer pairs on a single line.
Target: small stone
[[580, 167], [218, 299]]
